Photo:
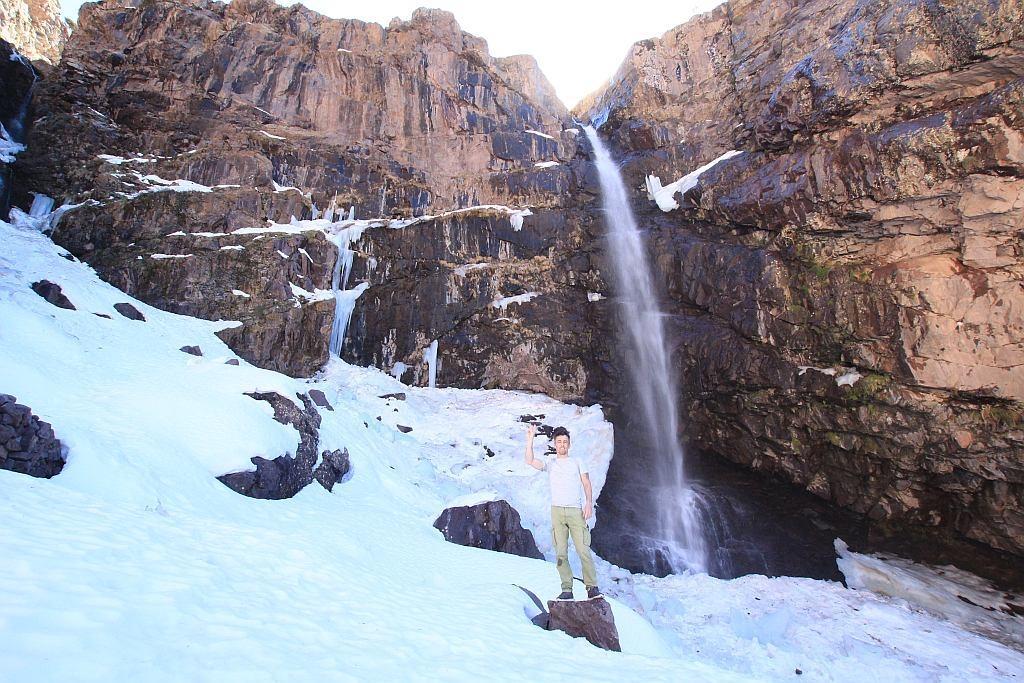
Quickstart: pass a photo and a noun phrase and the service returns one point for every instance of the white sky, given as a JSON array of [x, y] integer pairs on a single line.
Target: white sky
[[578, 45]]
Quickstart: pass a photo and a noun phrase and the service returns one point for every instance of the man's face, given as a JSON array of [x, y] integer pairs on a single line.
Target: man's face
[[562, 444]]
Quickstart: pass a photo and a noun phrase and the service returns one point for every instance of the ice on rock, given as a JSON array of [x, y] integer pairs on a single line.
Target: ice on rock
[[505, 302], [8, 147], [516, 218], [664, 195], [948, 592], [430, 358]]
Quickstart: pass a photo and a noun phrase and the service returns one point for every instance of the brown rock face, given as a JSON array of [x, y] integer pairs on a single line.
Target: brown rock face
[[34, 27], [849, 290], [281, 114]]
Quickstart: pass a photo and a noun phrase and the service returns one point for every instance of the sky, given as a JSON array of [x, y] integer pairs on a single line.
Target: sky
[[577, 46]]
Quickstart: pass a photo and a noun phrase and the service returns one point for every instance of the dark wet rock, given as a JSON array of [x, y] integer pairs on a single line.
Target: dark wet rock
[[103, 315], [129, 311], [320, 399], [494, 525], [590, 619], [27, 444], [52, 293], [404, 429], [193, 350], [231, 361], [399, 396]]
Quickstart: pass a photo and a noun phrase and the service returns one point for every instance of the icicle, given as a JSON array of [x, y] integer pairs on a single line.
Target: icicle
[[430, 358], [41, 205], [345, 299]]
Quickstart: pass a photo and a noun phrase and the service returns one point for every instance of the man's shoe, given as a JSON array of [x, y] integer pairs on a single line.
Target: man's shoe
[[593, 592], [564, 595]]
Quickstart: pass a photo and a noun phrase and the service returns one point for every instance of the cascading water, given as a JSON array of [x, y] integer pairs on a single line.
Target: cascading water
[[677, 541], [12, 135]]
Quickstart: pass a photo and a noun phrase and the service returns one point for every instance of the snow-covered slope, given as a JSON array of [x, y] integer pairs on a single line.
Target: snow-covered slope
[[136, 564]]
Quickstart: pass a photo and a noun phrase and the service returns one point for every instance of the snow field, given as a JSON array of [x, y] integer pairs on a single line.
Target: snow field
[[135, 563]]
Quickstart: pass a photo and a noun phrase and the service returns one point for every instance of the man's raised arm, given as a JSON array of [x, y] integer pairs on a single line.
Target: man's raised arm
[[530, 460]]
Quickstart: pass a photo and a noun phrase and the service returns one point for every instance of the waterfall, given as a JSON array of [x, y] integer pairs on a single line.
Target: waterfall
[[679, 541], [12, 137]]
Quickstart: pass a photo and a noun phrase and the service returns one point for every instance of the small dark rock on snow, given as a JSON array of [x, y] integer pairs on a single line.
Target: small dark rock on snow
[[129, 311], [52, 293], [319, 399], [194, 350]]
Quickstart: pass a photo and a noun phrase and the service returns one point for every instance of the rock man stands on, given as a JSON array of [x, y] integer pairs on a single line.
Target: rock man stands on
[[569, 510]]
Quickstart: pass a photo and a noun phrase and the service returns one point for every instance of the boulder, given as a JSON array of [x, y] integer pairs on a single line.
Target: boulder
[[192, 350], [590, 619], [52, 293], [334, 465], [27, 444], [129, 311], [494, 525], [320, 399]]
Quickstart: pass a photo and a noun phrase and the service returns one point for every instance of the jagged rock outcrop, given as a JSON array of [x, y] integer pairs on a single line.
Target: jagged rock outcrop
[[214, 118], [493, 525], [34, 27], [848, 291], [27, 444], [286, 475]]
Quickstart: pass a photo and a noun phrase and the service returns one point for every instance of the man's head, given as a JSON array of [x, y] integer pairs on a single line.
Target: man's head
[[560, 437]]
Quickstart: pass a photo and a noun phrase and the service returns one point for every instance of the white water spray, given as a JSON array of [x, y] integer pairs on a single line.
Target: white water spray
[[679, 542]]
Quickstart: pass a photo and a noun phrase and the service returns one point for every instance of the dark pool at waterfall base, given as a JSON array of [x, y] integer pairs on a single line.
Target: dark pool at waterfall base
[[762, 525]]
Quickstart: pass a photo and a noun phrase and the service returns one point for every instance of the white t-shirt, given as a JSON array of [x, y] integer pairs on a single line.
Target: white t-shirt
[[566, 485]]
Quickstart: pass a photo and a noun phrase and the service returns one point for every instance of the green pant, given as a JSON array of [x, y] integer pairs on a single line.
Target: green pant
[[566, 521]]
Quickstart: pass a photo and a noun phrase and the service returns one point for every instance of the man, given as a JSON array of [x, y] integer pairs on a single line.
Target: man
[[569, 510]]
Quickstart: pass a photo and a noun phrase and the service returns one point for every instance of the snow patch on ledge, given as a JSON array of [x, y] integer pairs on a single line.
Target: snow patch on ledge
[[305, 296], [848, 377], [465, 268], [471, 499], [547, 164], [507, 301], [165, 256], [539, 134], [664, 195]]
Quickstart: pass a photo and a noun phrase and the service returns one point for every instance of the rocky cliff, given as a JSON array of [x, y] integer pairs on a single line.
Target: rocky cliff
[[34, 27], [848, 290], [188, 130], [845, 290]]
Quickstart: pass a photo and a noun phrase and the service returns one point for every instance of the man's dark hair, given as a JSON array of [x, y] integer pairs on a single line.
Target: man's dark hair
[[560, 431]]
